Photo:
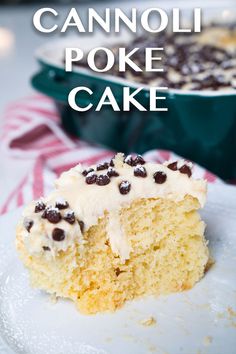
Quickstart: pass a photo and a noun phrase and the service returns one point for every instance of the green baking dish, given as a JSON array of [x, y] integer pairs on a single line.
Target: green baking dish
[[199, 125]]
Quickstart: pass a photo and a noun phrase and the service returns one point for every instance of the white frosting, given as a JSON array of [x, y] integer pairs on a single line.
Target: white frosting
[[90, 201], [118, 241], [41, 233]]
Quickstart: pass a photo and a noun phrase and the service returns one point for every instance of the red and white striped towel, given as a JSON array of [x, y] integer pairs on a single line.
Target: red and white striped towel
[[32, 131]]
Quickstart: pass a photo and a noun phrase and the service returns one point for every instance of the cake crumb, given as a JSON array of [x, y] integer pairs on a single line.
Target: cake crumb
[[53, 299], [152, 349], [207, 340], [231, 312], [230, 315], [150, 321], [209, 264]]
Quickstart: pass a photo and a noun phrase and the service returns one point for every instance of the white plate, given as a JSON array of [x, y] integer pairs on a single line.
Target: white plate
[[202, 320]]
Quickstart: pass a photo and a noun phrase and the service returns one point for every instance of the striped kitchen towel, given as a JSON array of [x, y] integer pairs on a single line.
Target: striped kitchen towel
[[32, 132]]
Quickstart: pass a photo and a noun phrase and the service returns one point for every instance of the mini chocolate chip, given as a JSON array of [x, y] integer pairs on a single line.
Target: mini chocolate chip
[[52, 215], [102, 180], [186, 170], [102, 166], [46, 248], [140, 171], [58, 234], [118, 271], [85, 172], [173, 166], [112, 162], [39, 206], [69, 217], [91, 178], [112, 173], [28, 224], [159, 177], [44, 215], [124, 187], [61, 204], [81, 224], [139, 160], [129, 160]]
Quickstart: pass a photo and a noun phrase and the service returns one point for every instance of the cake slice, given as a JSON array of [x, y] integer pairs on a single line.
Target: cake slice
[[116, 231]]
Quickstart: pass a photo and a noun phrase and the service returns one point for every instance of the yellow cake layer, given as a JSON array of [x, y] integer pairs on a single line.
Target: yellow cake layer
[[169, 254]]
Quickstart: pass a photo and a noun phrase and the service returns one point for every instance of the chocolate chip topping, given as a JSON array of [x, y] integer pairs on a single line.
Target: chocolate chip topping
[[69, 217], [111, 172], [61, 204], [118, 271], [183, 169], [186, 170], [58, 234], [102, 166], [129, 160], [112, 162], [140, 171], [52, 215], [39, 206], [160, 177], [124, 187], [173, 166], [46, 248], [103, 180], [91, 178], [185, 58], [139, 160], [86, 172], [28, 224], [81, 224]]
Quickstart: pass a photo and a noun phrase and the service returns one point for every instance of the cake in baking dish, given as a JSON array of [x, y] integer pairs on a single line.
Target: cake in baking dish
[[116, 231], [191, 61]]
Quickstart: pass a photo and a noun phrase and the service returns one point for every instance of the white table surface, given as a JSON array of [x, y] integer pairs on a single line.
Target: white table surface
[[18, 65]]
